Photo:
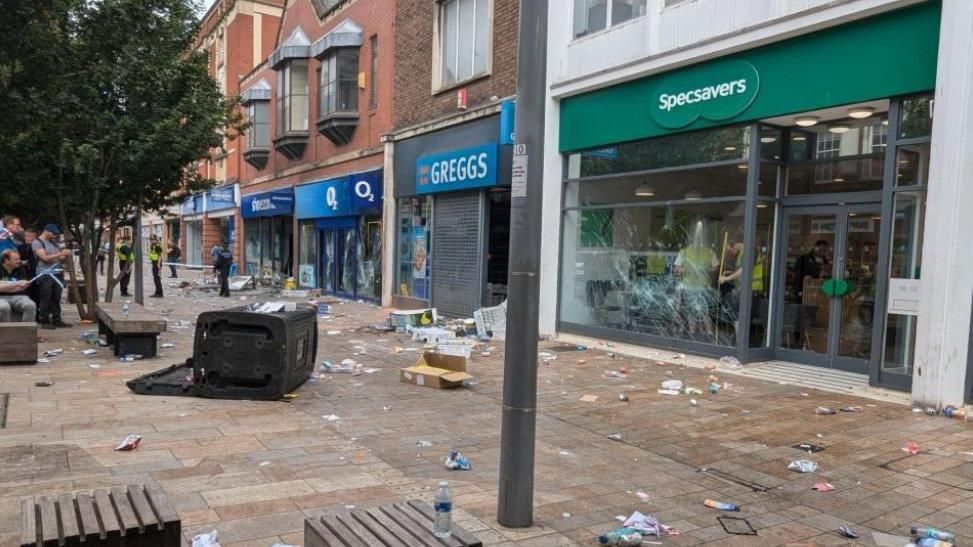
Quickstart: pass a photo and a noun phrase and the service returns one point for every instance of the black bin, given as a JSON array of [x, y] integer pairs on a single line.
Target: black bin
[[239, 354]]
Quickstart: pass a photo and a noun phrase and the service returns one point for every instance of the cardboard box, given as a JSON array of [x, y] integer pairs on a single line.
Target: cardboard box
[[436, 370]]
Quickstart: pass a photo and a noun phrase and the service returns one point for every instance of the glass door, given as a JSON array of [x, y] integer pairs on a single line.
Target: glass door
[[827, 300], [328, 259], [345, 261]]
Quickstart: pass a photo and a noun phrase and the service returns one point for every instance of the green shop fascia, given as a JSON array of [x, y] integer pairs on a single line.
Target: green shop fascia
[[668, 123]]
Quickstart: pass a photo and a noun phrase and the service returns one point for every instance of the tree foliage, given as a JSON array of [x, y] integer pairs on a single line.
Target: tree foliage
[[106, 105]]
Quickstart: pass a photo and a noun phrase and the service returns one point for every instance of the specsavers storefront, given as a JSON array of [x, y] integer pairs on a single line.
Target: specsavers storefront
[[268, 230], [766, 205], [340, 235]]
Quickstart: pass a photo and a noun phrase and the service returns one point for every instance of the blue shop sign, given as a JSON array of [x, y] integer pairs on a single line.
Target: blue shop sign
[[268, 204], [221, 198], [191, 205], [508, 119], [464, 169], [359, 194]]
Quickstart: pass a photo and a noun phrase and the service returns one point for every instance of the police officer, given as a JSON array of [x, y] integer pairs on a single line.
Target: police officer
[[155, 257], [126, 259]]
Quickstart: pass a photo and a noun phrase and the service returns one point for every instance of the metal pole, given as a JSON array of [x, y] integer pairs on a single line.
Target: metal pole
[[137, 242], [516, 493]]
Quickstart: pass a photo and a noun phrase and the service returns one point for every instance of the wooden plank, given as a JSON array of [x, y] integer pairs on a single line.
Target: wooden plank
[[405, 537], [421, 522], [150, 522], [28, 522], [338, 528], [49, 531], [69, 519], [163, 507], [89, 518], [458, 531], [367, 537], [111, 528], [126, 515], [375, 527], [318, 535], [423, 532]]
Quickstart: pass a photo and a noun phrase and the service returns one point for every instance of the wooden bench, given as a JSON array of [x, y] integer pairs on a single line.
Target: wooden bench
[[134, 334], [132, 516], [19, 343], [407, 524]]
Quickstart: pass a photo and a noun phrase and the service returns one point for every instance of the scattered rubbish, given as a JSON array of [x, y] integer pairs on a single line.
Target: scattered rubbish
[[400, 319], [736, 526], [824, 411], [615, 437], [679, 356], [622, 397], [44, 383], [849, 408], [589, 398], [53, 352], [331, 417], [564, 453], [730, 361], [566, 515], [43, 360], [290, 396], [128, 358], [714, 388], [611, 373], [322, 308], [436, 371], [93, 365], [622, 537], [272, 307], [647, 525], [932, 533], [917, 411], [952, 411], [803, 466], [931, 411], [911, 448], [431, 335], [333, 332], [672, 384], [693, 402], [263, 464], [668, 392], [642, 496], [346, 367], [929, 542], [721, 505], [386, 408], [808, 447], [492, 321], [692, 391], [848, 532], [206, 540], [423, 443], [547, 356], [166, 345], [823, 487], [130, 442], [455, 461]]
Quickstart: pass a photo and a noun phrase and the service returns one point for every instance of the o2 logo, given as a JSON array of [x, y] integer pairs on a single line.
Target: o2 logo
[[331, 198], [363, 189]]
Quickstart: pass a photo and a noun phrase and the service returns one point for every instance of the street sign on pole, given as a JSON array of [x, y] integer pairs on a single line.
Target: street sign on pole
[[515, 506]]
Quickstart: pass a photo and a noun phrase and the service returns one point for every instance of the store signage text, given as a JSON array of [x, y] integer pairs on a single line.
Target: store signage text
[[358, 194], [221, 198], [714, 92], [463, 169], [268, 204]]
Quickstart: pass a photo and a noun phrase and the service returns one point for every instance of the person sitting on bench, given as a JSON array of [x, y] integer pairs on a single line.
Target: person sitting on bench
[[14, 285]]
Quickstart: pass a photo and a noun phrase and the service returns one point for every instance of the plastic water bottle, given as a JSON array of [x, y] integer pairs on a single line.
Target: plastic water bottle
[[932, 533], [125, 309], [444, 511], [622, 537]]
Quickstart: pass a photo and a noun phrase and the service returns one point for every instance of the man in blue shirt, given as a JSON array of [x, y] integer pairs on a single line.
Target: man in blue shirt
[[49, 287]]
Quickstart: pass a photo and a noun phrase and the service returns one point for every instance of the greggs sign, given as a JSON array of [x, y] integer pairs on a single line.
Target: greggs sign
[[462, 169]]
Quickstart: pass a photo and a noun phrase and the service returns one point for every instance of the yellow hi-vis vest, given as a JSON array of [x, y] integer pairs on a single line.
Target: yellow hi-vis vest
[[155, 252], [758, 274], [123, 258]]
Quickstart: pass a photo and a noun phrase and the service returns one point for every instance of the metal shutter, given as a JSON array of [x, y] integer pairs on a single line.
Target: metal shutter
[[457, 258]]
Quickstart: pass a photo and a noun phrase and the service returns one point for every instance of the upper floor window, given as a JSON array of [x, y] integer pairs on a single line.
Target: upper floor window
[[292, 96], [464, 40], [339, 82], [259, 134], [594, 15], [373, 72]]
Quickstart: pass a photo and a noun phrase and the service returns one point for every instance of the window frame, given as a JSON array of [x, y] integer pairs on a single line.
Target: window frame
[[331, 89], [373, 71], [439, 84], [286, 97], [258, 125], [609, 24]]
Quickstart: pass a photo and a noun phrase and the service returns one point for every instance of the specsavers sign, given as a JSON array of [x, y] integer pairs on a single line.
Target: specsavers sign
[[717, 91]]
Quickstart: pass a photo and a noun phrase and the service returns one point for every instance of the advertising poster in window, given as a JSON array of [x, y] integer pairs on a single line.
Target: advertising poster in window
[[420, 263], [306, 275]]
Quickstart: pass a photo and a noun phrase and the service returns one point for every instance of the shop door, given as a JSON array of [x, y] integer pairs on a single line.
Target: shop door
[[339, 260], [826, 303]]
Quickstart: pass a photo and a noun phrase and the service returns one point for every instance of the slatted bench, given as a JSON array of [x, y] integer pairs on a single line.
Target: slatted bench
[[122, 516], [135, 333], [408, 524]]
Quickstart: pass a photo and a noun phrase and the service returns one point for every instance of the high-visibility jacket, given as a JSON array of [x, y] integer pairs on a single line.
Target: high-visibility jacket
[[758, 274], [122, 255], [155, 252]]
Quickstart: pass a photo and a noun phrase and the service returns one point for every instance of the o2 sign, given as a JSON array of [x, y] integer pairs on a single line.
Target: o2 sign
[[363, 189], [331, 198]]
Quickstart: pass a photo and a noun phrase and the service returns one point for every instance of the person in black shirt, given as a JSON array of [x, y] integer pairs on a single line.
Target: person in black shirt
[[14, 284], [172, 256], [223, 261], [808, 266]]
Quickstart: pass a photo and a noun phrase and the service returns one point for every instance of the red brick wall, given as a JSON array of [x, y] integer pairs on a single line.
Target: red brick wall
[[375, 17], [415, 102]]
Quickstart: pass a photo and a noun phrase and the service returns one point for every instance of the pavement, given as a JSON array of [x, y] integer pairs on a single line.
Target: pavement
[[254, 471]]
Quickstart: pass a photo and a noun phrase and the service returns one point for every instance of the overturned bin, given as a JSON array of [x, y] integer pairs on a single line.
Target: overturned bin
[[239, 353]]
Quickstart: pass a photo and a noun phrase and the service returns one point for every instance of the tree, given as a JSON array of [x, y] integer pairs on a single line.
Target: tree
[[111, 106]]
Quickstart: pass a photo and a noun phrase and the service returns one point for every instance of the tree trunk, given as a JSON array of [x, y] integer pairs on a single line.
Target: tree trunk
[[93, 242], [110, 280]]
